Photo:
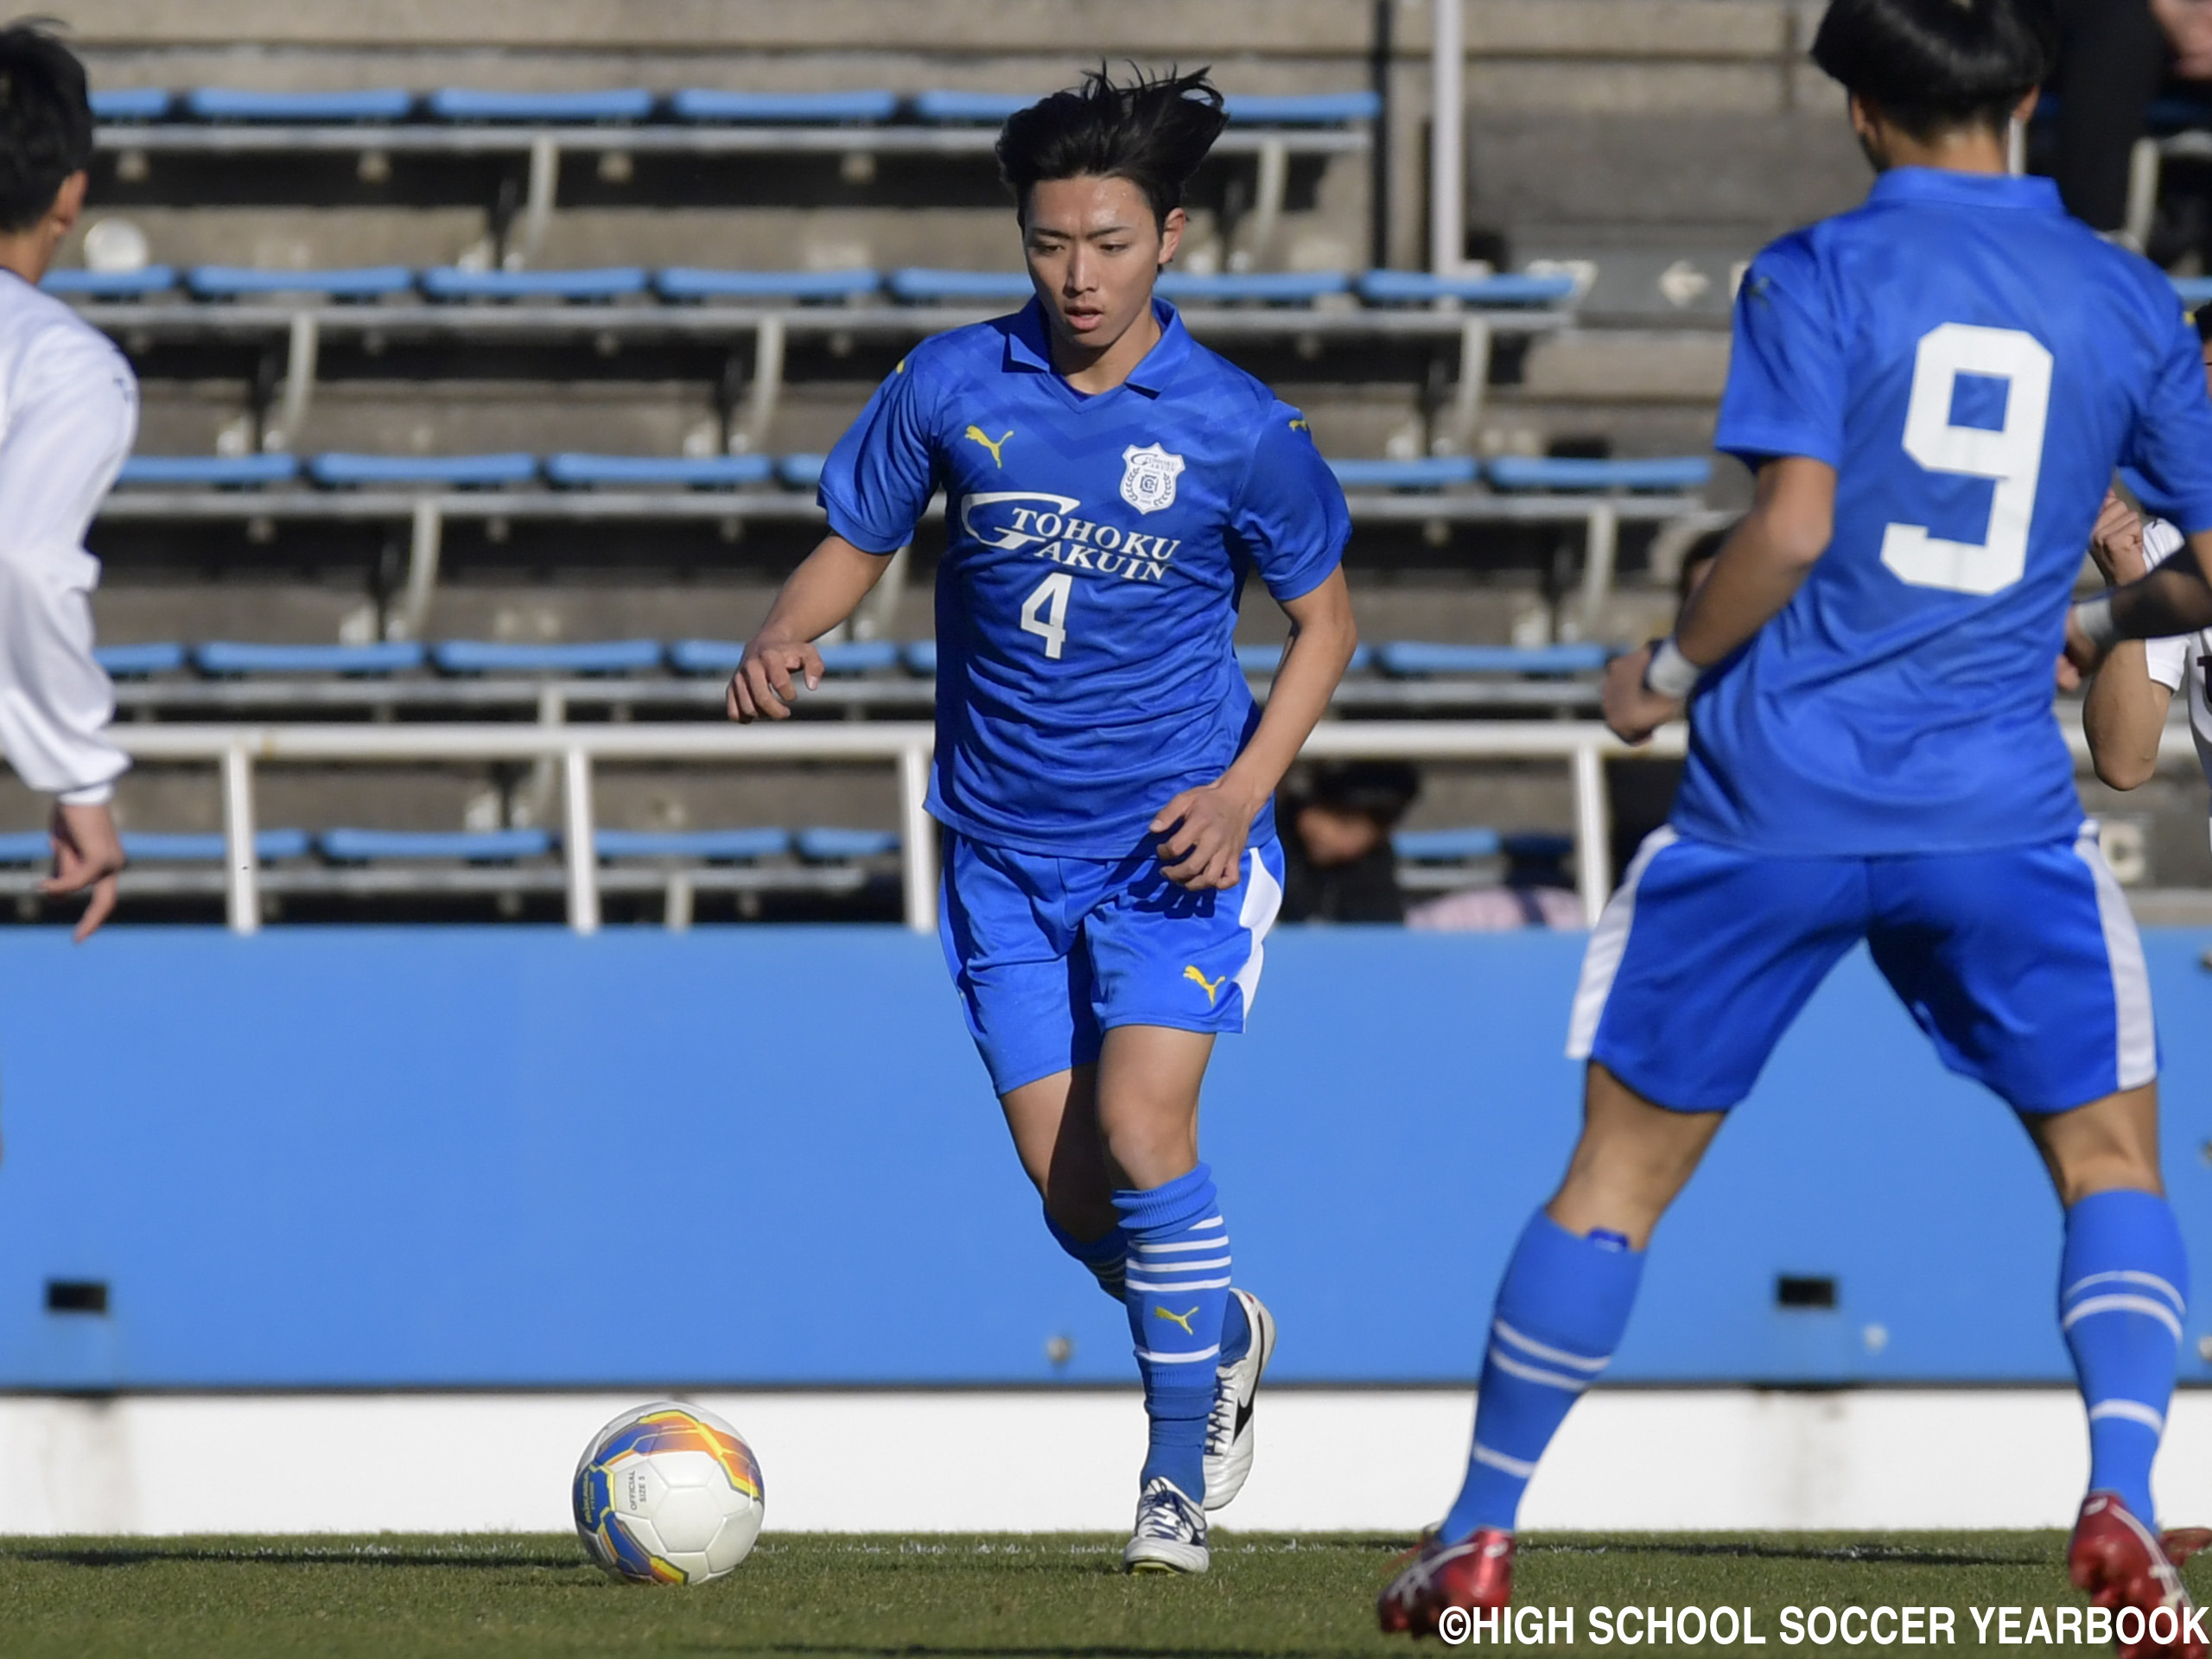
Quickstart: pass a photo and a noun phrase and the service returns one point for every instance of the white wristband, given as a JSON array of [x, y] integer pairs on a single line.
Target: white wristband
[[2093, 618], [1670, 673]]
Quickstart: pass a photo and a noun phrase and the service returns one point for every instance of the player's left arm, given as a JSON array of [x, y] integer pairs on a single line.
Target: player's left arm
[[1758, 571], [1211, 824]]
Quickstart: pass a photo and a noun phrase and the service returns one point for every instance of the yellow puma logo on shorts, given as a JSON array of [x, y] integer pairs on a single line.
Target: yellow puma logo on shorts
[[1210, 987]]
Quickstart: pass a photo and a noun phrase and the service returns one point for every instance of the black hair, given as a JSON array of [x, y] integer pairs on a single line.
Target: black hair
[[1381, 789], [1935, 66], [1153, 132], [2203, 315], [45, 121]]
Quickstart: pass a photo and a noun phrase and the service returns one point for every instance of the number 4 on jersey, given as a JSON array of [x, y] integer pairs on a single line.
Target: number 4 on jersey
[[1044, 613], [2012, 455]]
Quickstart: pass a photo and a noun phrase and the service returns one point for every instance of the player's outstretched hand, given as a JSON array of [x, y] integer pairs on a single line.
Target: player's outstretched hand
[[1206, 849], [87, 852], [1632, 708], [762, 687]]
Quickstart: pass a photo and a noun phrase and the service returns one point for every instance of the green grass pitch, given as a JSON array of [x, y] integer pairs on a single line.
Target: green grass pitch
[[818, 1596]]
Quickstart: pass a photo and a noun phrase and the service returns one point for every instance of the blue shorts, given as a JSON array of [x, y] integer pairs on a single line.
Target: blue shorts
[[1050, 953], [2021, 964]]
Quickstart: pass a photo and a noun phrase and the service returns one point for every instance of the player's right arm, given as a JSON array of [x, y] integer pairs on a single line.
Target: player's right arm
[[874, 485], [2124, 716]]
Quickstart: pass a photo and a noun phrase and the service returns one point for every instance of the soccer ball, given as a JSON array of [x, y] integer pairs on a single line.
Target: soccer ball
[[668, 1494]]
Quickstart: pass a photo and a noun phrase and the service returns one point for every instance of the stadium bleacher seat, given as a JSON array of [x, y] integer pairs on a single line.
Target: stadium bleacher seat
[[1306, 109], [1265, 659], [2193, 291], [722, 657], [298, 109], [833, 846], [553, 109], [359, 283], [469, 846], [136, 662], [1273, 288], [782, 109], [710, 846], [862, 656], [921, 659], [606, 283], [581, 472], [801, 472], [583, 657], [1421, 288], [132, 103], [78, 284], [269, 845], [344, 469], [924, 285], [1428, 473], [1413, 657], [210, 472], [1446, 845], [690, 283], [25, 847], [230, 657], [1560, 473], [945, 108]]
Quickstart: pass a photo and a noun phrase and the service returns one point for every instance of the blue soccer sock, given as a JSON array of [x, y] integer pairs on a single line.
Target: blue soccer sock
[[1106, 1257], [1178, 1290], [2123, 1290], [1561, 1311]]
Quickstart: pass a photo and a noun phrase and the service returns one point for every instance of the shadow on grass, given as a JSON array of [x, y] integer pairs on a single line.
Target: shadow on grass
[[1877, 1554], [103, 1558]]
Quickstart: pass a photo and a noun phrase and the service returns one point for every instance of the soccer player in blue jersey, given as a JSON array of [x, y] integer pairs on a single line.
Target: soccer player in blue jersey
[[1102, 774], [1933, 391]]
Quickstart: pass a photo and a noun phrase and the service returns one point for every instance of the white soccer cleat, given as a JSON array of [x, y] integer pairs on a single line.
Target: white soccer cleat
[[1229, 1429], [1170, 1535]]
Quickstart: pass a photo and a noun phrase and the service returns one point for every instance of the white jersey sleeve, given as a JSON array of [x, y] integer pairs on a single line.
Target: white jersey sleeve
[[2168, 657], [72, 414]]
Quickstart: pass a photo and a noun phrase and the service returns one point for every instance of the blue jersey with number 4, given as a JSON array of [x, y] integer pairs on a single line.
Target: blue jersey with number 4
[[1096, 546], [1974, 364]]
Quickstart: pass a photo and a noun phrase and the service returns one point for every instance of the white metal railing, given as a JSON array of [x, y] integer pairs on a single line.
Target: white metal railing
[[1583, 746]]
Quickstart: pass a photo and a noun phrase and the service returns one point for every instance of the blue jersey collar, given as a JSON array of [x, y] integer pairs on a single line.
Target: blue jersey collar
[[1966, 189], [1028, 346]]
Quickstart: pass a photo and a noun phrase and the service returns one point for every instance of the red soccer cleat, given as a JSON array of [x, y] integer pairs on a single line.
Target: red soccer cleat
[[1476, 1573], [2116, 1560]]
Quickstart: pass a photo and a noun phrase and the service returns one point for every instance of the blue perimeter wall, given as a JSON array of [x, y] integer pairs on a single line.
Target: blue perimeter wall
[[512, 1157]]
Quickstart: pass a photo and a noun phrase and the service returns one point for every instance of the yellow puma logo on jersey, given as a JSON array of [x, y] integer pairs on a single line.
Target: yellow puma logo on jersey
[[997, 460], [1301, 424], [1210, 987], [1183, 1319]]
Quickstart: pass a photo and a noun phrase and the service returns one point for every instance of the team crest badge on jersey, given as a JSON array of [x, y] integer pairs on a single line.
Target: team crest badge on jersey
[[1148, 477]]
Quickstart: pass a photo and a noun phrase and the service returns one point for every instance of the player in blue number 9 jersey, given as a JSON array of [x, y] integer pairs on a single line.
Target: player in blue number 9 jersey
[[1934, 390], [1102, 774]]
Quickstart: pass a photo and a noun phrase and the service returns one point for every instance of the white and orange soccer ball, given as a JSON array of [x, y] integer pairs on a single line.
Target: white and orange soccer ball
[[668, 1494]]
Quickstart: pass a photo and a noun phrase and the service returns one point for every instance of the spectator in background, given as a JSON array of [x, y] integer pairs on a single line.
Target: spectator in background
[[1338, 866], [2114, 56]]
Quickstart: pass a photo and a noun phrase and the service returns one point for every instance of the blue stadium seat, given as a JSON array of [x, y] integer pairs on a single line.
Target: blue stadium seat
[[970, 108], [801, 472], [1446, 845], [554, 109], [1562, 473], [1431, 472], [830, 846], [110, 284], [582, 657], [132, 104], [343, 469], [156, 848], [782, 109], [474, 846], [1407, 657], [226, 657], [1265, 659], [921, 659], [720, 657], [134, 662], [2193, 290], [1306, 110], [580, 472], [25, 847], [1420, 288], [1273, 286], [606, 283], [685, 283], [861, 655], [359, 283], [716, 657], [921, 285], [713, 846], [210, 472], [298, 109]]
